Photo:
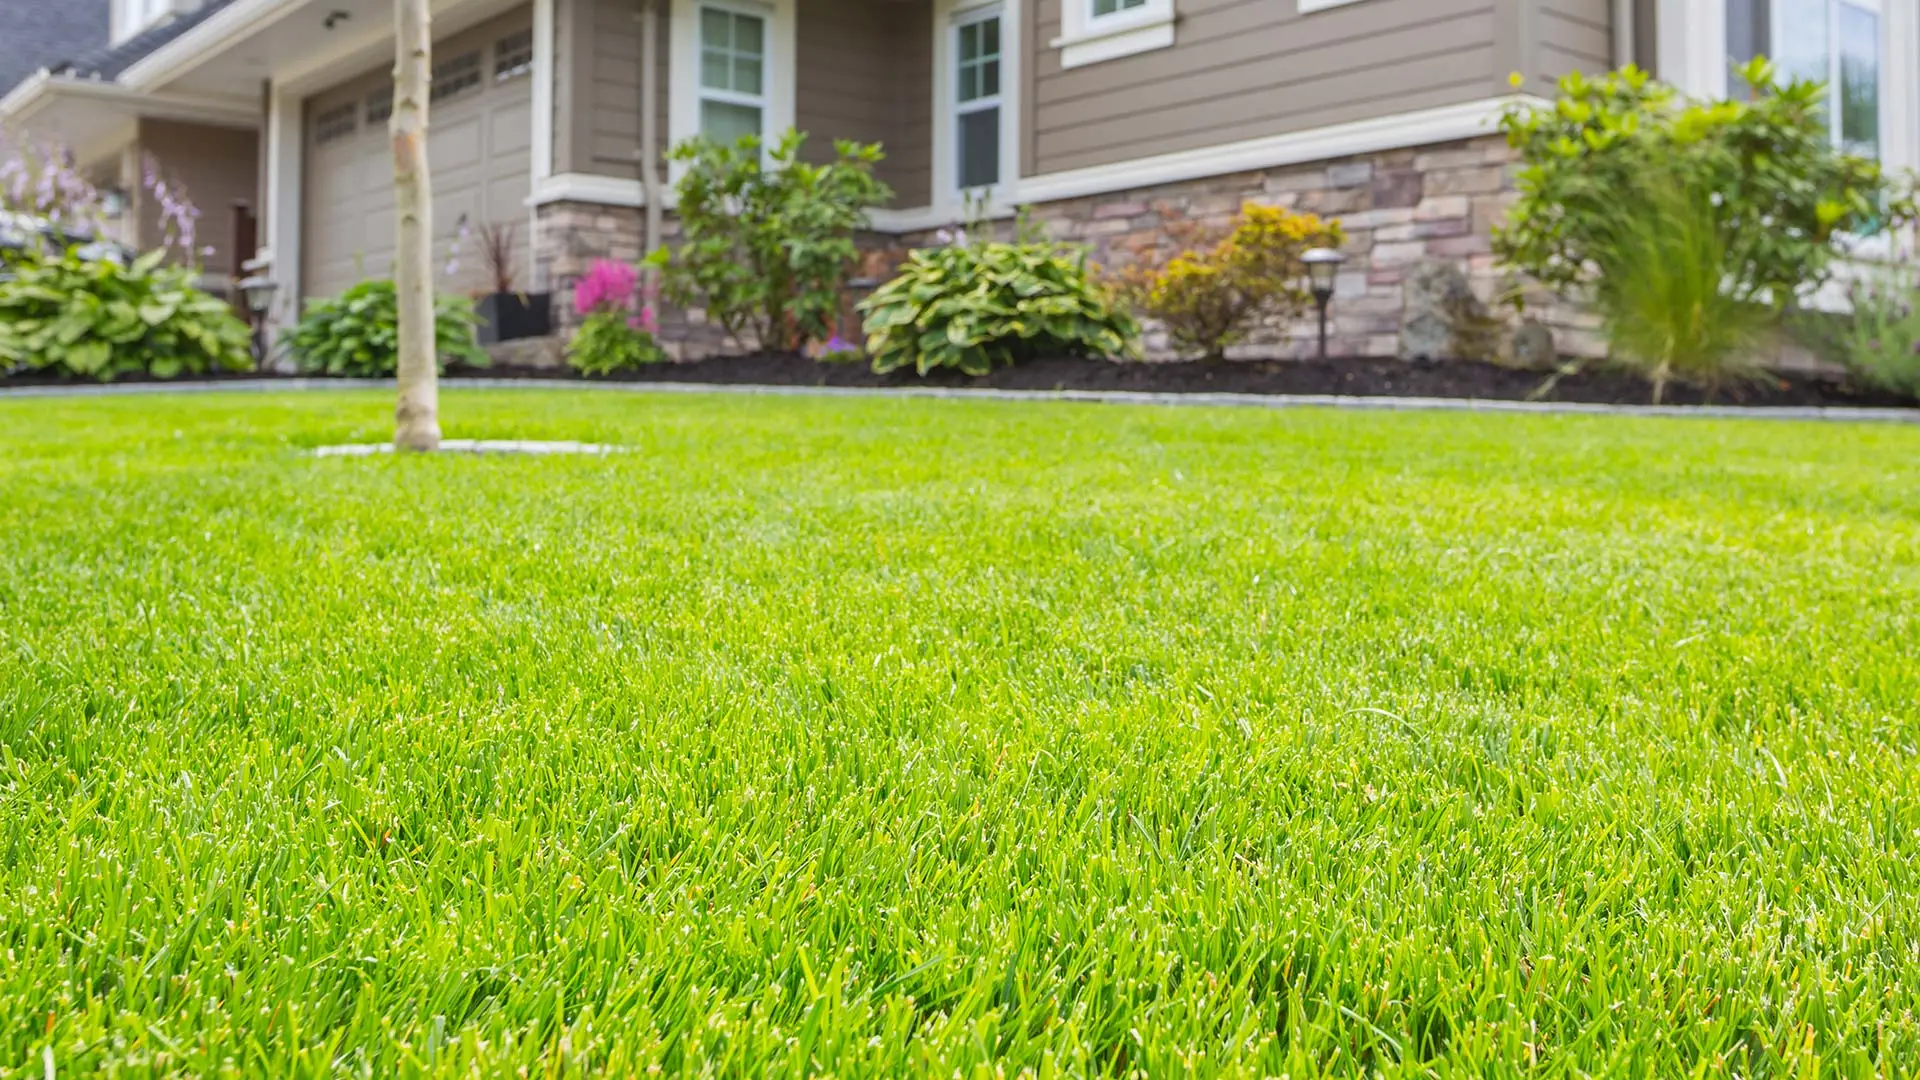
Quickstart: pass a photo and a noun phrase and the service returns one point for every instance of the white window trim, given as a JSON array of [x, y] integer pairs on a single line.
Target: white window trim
[[948, 199], [1086, 38], [1308, 6], [1692, 55], [778, 81]]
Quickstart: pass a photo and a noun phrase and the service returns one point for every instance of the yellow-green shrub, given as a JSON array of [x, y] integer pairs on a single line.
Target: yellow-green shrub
[[1213, 285]]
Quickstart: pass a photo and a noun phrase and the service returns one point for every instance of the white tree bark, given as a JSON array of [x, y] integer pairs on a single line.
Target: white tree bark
[[417, 416]]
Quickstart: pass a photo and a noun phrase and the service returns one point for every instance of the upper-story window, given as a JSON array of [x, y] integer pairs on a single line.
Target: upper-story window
[[733, 73], [129, 17], [1095, 30], [1838, 42]]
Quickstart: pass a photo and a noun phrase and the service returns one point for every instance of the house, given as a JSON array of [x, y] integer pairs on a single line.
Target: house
[[1103, 116]]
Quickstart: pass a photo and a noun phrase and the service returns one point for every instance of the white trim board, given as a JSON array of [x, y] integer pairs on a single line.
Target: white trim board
[[1448, 123]]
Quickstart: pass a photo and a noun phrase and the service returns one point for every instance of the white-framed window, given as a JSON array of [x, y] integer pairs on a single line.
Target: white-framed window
[[1096, 30], [733, 73], [513, 56], [977, 103], [732, 63], [1838, 42]]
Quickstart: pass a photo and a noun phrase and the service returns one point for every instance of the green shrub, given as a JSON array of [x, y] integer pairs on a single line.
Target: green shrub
[[1662, 294], [1878, 341], [612, 340], [970, 307], [357, 334], [1783, 196], [1220, 283], [768, 243], [96, 319]]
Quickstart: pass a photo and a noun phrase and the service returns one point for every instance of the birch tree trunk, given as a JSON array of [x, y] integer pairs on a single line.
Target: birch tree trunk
[[417, 416]]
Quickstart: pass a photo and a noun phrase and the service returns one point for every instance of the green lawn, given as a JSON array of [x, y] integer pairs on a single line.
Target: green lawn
[[955, 738]]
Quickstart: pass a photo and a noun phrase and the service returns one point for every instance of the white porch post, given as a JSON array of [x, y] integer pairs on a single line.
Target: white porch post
[[280, 220], [1692, 46], [1900, 115]]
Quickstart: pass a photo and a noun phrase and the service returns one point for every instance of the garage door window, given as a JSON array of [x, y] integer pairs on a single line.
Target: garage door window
[[733, 73], [379, 106], [334, 123], [455, 75], [513, 56]]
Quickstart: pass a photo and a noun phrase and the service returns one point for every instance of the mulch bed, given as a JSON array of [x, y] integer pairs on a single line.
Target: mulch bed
[[1353, 377]]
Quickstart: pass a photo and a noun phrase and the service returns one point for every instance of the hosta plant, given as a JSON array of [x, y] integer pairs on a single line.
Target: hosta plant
[[357, 334], [95, 318], [973, 307]]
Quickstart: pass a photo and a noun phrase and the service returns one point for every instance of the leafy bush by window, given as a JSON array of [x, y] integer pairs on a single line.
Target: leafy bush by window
[[1782, 196], [1212, 286], [94, 318], [767, 245], [971, 307], [612, 336], [357, 335]]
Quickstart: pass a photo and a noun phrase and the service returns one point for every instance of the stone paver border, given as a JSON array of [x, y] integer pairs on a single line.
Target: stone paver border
[[1110, 397]]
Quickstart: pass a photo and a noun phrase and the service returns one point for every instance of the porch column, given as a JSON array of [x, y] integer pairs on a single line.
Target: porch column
[[280, 218]]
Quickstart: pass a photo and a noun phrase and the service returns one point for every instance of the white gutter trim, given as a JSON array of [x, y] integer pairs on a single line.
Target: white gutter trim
[[41, 89], [205, 41]]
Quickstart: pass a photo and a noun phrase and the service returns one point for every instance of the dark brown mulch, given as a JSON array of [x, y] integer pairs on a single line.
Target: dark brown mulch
[[1359, 378]]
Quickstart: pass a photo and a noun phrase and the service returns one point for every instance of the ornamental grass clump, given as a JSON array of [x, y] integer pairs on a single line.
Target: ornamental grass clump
[[1212, 285], [616, 329]]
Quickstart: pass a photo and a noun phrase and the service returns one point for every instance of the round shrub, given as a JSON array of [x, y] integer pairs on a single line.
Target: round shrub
[[357, 334], [972, 307], [94, 318]]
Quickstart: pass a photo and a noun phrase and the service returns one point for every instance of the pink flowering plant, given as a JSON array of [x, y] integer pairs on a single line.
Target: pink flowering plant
[[617, 321]]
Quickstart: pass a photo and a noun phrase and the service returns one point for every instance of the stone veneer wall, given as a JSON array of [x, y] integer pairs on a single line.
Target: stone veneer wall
[[1419, 224], [1409, 215]]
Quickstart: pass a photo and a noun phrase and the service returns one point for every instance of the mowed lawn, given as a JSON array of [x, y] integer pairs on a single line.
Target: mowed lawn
[[883, 738]]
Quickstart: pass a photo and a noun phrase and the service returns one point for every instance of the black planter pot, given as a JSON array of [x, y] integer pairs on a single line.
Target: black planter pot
[[510, 316]]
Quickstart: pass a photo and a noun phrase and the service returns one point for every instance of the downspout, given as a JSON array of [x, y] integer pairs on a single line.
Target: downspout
[[649, 124], [1623, 34]]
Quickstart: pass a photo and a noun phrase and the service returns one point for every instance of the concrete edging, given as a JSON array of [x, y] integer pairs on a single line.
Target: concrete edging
[[1108, 397]]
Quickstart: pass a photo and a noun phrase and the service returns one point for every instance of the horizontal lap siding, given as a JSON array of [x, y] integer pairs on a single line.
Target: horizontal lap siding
[[866, 73], [1575, 35], [1246, 69], [216, 166], [597, 99]]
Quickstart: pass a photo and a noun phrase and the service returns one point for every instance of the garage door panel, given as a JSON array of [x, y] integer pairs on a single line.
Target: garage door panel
[[478, 144]]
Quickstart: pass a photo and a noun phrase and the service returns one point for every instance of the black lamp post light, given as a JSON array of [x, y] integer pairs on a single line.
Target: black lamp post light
[[1323, 267], [258, 292]]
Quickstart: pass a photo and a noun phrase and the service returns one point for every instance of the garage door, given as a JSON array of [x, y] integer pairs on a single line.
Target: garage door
[[478, 139]]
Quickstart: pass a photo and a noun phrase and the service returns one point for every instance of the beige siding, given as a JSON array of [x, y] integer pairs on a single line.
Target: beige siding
[[1245, 69], [1575, 35], [216, 167], [865, 72], [597, 103]]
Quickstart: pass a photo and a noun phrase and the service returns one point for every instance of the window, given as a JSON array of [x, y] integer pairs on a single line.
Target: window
[[335, 123], [733, 73], [1095, 30], [1834, 41], [453, 76], [379, 105], [976, 101], [513, 56]]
